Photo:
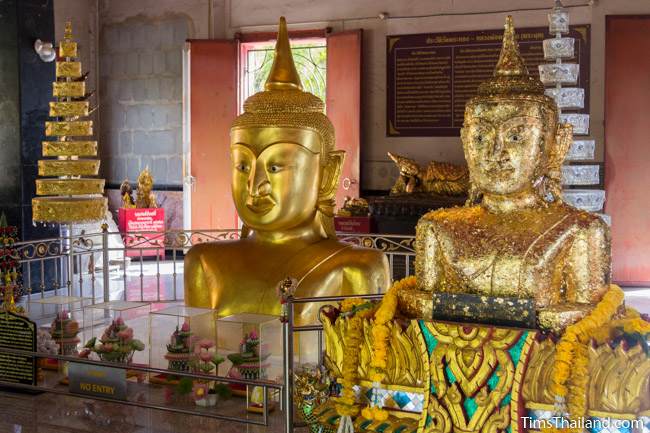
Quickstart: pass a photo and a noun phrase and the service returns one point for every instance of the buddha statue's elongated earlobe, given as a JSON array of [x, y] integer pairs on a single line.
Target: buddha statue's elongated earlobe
[[327, 192], [555, 155], [473, 194]]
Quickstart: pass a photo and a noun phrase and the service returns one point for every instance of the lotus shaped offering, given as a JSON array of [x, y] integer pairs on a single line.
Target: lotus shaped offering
[[115, 345]]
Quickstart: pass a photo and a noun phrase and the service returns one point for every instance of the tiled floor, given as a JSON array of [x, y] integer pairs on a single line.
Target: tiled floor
[[50, 413]]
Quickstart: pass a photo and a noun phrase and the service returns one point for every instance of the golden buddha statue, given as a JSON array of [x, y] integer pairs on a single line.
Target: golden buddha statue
[[144, 197], [440, 178], [285, 173], [515, 243]]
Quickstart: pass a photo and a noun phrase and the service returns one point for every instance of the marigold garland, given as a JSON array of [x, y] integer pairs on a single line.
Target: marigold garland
[[570, 374], [357, 310], [345, 404], [380, 337]]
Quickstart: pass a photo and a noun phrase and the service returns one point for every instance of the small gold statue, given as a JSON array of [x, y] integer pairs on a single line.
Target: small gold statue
[[440, 178], [285, 172], [515, 238], [126, 191], [145, 198], [353, 207]]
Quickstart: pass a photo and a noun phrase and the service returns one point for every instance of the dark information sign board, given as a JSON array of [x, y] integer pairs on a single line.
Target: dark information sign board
[[431, 76], [17, 332], [97, 380]]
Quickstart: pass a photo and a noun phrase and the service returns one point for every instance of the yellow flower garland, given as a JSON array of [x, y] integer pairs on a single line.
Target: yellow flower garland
[[345, 404], [630, 323], [570, 374], [380, 337]]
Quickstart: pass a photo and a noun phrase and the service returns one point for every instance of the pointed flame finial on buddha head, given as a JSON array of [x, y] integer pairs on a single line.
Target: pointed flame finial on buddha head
[[283, 74]]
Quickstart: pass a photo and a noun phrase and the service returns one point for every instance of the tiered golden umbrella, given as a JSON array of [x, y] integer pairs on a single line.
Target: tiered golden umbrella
[[66, 193]]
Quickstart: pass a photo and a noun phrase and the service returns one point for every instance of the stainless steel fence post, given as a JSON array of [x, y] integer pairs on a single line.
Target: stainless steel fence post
[[287, 333], [70, 259], [105, 268]]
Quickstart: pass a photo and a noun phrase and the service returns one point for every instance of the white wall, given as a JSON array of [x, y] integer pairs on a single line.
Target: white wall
[[223, 18]]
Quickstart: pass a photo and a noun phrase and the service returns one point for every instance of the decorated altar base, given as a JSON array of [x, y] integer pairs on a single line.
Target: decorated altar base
[[445, 377]]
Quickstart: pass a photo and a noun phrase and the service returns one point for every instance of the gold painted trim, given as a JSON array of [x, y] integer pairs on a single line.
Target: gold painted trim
[[518, 382], [74, 89], [605, 414], [391, 129], [61, 109], [67, 49], [428, 397], [69, 210], [391, 42], [69, 186], [531, 405], [80, 167], [73, 129], [583, 33], [415, 390], [68, 69], [69, 148]]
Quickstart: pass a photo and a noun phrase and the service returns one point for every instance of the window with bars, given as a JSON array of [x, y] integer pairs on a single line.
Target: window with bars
[[310, 57]]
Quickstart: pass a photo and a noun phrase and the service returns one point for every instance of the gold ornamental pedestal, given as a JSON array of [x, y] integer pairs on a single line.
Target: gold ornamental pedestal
[[67, 191]]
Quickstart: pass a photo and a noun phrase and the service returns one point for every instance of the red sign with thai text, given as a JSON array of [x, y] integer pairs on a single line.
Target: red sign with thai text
[[141, 229], [353, 224]]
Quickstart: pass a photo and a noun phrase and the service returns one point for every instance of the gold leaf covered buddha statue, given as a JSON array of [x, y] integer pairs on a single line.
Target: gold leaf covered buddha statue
[[285, 173], [441, 178], [515, 243]]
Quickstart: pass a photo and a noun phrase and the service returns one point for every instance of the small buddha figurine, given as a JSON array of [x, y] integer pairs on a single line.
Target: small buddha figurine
[[144, 196], [285, 173], [515, 238], [127, 194]]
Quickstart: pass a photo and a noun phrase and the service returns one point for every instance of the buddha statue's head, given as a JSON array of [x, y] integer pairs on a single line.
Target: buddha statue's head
[[511, 136], [285, 170], [145, 181]]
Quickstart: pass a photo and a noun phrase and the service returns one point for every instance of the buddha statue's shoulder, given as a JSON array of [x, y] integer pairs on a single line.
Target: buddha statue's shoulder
[[360, 270], [452, 216], [579, 220], [352, 256], [206, 250], [578, 216]]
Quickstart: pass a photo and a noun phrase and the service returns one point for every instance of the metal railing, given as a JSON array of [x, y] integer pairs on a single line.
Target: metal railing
[[147, 266], [288, 332]]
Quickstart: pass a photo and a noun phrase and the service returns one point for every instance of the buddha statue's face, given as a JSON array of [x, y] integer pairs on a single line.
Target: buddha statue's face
[[504, 143], [275, 176]]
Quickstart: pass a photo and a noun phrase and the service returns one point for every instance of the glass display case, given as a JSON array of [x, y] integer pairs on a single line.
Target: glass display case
[[62, 318], [115, 331], [175, 334], [252, 346]]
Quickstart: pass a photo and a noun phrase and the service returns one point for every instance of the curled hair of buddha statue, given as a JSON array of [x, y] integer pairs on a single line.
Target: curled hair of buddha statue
[[284, 104], [511, 81]]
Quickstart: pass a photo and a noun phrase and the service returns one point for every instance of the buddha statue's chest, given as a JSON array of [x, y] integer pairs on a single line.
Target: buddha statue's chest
[[507, 259]]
